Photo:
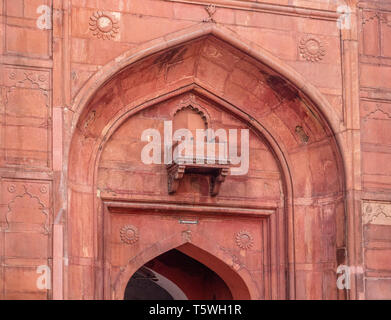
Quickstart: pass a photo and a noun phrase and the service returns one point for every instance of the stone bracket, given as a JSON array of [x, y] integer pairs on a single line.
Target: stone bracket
[[217, 173], [175, 174], [217, 180]]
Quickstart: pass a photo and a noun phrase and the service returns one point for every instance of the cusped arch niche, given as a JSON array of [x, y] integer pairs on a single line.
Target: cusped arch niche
[[197, 117], [130, 189], [310, 214]]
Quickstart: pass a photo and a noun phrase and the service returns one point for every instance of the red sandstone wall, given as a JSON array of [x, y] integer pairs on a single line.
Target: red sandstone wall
[[42, 71], [375, 120]]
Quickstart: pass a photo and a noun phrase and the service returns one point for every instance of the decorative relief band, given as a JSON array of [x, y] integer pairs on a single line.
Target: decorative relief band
[[375, 212], [257, 6]]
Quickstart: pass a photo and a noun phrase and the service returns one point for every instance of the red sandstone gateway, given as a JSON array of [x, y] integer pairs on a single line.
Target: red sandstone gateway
[[83, 217]]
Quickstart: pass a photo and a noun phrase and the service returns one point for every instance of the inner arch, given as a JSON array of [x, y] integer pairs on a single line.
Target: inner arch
[[179, 275], [312, 165]]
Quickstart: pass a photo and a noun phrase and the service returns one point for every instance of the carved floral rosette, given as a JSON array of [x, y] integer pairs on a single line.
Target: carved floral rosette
[[311, 48], [103, 25], [129, 234], [244, 240]]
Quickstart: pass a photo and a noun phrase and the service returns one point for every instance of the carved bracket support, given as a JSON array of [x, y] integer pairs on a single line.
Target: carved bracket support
[[216, 181], [217, 173], [175, 174]]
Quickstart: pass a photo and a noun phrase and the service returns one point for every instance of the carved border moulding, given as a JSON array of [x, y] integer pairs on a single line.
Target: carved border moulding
[[376, 212], [311, 48], [129, 234], [120, 207], [244, 240], [103, 25], [216, 171]]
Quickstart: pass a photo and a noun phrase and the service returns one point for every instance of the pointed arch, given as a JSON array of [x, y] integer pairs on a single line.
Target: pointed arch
[[108, 71], [239, 281], [84, 151]]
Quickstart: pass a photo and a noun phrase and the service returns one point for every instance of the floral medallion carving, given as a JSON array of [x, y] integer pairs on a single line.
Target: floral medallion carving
[[103, 25], [244, 240], [129, 234], [311, 48]]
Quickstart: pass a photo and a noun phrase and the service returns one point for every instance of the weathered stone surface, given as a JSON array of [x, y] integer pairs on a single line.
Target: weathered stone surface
[[78, 88]]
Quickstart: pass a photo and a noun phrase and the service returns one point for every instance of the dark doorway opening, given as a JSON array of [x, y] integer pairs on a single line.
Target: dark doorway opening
[[143, 286]]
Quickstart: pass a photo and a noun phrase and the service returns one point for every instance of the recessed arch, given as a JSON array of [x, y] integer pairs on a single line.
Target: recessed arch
[[239, 282], [275, 145], [86, 146]]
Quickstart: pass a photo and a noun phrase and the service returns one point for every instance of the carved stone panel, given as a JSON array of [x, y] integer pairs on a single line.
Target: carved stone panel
[[25, 232], [376, 212], [26, 112]]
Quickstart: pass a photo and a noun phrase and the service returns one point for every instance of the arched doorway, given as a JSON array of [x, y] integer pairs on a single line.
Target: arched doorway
[[291, 205], [174, 275]]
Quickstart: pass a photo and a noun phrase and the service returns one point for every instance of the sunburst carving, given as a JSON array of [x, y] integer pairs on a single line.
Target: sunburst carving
[[129, 234], [311, 48], [244, 240], [103, 26]]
